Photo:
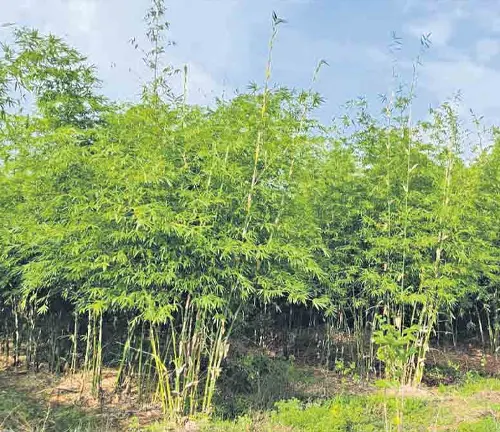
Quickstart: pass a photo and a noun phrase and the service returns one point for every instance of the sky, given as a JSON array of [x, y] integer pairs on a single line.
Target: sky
[[225, 44]]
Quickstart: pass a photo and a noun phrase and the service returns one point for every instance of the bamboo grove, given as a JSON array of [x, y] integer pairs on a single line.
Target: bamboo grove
[[141, 236]]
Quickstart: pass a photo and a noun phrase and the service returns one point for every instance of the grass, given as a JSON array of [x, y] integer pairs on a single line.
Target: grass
[[22, 412], [476, 384], [26, 405], [472, 406]]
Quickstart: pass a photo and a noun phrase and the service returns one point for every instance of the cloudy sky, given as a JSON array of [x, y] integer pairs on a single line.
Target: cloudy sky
[[224, 43]]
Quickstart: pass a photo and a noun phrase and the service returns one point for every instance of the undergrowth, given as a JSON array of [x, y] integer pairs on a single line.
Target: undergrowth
[[461, 407], [20, 411]]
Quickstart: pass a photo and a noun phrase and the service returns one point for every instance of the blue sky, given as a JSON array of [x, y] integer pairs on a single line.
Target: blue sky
[[224, 43]]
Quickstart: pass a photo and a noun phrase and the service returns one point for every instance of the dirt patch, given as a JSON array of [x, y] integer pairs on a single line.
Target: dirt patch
[[465, 358], [411, 392], [326, 384], [74, 390], [124, 408]]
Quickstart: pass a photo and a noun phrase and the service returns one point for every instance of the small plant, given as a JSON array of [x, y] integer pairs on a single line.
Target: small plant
[[344, 368], [255, 382], [396, 350]]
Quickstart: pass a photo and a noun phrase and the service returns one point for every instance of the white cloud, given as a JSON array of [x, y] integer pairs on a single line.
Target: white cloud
[[224, 42], [102, 29], [456, 8], [487, 49], [83, 14], [488, 16], [202, 87], [441, 29], [377, 55], [465, 53], [473, 80]]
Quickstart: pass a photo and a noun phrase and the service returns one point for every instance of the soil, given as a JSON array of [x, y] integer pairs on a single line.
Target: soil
[[75, 390], [124, 408]]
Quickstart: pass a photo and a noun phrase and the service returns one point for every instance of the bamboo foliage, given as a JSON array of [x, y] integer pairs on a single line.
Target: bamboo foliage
[[138, 235]]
